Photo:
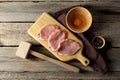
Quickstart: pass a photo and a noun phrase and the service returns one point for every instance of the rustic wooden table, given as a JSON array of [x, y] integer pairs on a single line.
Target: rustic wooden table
[[16, 16]]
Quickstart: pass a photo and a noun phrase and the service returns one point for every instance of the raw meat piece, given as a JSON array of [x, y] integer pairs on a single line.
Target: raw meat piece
[[46, 31], [68, 47], [55, 38]]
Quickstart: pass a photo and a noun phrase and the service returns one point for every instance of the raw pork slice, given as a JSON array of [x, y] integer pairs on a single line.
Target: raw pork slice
[[68, 47], [55, 38], [46, 31]]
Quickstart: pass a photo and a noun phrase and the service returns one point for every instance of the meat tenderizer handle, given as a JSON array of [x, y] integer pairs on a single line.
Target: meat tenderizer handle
[[60, 63]]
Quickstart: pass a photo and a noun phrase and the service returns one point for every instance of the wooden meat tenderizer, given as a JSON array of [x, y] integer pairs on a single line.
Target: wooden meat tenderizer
[[24, 50]]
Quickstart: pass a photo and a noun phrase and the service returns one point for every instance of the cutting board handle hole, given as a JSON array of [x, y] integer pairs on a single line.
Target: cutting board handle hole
[[86, 62]]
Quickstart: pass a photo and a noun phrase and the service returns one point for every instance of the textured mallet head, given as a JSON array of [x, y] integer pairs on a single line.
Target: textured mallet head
[[23, 49]]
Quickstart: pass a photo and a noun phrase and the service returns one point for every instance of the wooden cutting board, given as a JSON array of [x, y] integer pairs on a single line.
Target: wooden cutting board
[[46, 19]]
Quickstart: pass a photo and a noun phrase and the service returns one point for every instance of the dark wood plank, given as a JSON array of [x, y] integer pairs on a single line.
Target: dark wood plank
[[30, 11], [12, 33], [110, 31]]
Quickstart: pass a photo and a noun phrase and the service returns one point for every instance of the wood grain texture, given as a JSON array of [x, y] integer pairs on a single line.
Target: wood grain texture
[[14, 30], [58, 76], [48, 0], [9, 62], [57, 62], [13, 68], [13, 33], [30, 11], [16, 16], [61, 0]]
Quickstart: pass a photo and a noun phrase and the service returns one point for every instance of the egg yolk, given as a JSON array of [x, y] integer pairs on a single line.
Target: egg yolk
[[77, 22]]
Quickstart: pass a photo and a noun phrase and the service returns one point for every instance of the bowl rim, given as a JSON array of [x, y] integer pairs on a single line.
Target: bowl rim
[[80, 30]]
